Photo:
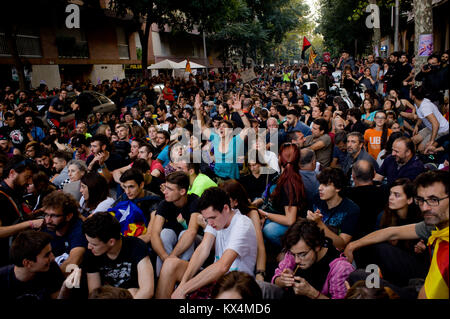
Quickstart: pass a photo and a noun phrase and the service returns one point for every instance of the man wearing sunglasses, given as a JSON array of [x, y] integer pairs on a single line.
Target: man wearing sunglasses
[[432, 199]]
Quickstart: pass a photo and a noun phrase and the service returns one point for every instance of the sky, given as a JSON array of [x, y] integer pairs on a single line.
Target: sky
[[313, 7]]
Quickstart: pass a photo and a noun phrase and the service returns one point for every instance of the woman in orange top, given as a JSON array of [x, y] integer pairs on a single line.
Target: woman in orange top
[[376, 138]]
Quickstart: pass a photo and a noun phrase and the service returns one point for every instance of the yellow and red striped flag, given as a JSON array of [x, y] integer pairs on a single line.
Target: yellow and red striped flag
[[436, 282]]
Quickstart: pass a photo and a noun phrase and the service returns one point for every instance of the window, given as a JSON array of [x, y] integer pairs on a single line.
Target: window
[[122, 43], [27, 40]]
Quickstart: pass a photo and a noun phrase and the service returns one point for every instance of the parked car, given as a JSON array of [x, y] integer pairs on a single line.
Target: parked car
[[136, 94], [98, 101]]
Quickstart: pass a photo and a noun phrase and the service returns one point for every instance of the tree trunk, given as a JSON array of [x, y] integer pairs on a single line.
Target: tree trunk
[[423, 24], [10, 37], [376, 38], [144, 38]]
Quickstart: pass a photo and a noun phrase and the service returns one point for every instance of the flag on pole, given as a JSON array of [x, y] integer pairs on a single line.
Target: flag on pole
[[312, 56], [188, 67], [306, 45]]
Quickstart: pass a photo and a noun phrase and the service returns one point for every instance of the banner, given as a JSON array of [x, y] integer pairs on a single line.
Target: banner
[[326, 57], [248, 75], [425, 44]]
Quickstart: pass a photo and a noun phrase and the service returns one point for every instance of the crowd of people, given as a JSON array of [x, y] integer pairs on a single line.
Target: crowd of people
[[214, 187]]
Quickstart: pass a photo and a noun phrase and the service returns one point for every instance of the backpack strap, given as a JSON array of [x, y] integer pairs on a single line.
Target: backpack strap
[[19, 213]]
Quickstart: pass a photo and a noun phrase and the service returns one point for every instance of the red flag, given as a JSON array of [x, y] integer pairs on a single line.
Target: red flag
[[306, 45]]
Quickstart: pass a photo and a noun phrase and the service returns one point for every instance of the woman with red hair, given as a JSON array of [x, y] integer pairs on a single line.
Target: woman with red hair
[[283, 200]]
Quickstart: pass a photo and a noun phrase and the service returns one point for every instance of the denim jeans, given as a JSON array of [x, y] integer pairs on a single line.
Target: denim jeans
[[273, 232], [170, 239]]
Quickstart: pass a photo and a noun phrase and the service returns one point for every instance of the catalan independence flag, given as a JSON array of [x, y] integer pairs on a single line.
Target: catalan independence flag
[[312, 56], [436, 283], [132, 220], [188, 67]]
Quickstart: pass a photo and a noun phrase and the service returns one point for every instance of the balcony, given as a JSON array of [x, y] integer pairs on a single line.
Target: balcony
[[28, 46], [70, 47]]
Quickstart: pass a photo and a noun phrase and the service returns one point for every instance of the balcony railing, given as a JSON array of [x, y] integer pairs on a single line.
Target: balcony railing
[[70, 47], [27, 46]]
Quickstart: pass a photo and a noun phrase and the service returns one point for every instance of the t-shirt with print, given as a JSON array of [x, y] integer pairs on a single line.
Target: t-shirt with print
[[426, 108], [121, 272], [62, 245], [340, 219], [39, 288], [323, 155], [373, 139], [177, 218], [239, 236]]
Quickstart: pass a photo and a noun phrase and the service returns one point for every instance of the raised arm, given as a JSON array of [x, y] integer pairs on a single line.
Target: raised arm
[[200, 120]]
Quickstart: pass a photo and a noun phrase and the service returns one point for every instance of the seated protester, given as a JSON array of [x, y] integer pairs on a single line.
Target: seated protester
[[198, 182], [122, 145], [354, 121], [431, 195], [116, 260], [336, 215], [439, 150], [34, 275], [375, 138], [388, 147], [94, 190], [320, 142], [259, 146], [285, 200], [237, 285], [102, 159], [359, 290], [7, 147], [234, 238], [162, 152], [309, 175], [428, 114], [76, 170], [399, 261], [132, 182], [293, 123], [18, 134], [63, 222], [295, 137], [40, 188], [43, 159], [81, 145], [60, 160], [402, 163], [239, 200], [311, 266], [339, 150], [369, 198], [175, 225], [356, 152], [227, 148], [256, 176]]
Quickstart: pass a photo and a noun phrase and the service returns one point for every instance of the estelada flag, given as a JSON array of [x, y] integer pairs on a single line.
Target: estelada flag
[[188, 67], [437, 280], [305, 46], [131, 218], [312, 56]]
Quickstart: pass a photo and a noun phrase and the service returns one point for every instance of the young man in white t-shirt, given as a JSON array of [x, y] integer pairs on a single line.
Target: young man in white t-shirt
[[435, 123], [234, 237]]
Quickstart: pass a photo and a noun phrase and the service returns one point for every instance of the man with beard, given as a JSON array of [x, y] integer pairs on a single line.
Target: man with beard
[[431, 195], [17, 175], [62, 221], [403, 162], [36, 132], [356, 152]]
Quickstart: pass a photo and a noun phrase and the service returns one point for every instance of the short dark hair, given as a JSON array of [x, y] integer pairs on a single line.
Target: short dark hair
[[27, 245], [132, 174], [102, 138], [8, 115], [80, 139], [340, 137], [102, 225], [19, 164], [355, 112], [239, 281], [418, 92], [181, 179], [323, 124], [428, 178], [165, 133], [408, 143], [63, 155], [307, 156], [292, 112], [331, 175], [214, 197], [110, 292], [63, 201], [358, 135], [304, 229]]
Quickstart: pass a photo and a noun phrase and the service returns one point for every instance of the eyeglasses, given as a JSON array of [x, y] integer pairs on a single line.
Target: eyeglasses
[[301, 255], [53, 216], [433, 201]]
